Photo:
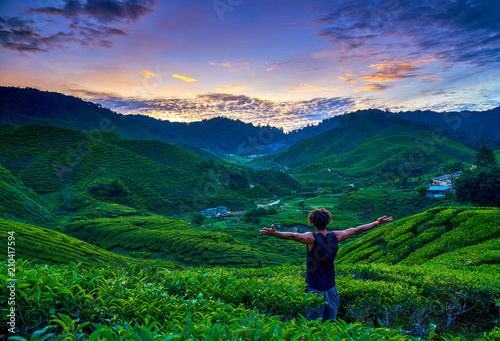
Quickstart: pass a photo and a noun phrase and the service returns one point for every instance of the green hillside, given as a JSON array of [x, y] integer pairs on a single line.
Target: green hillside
[[172, 239], [19, 203], [51, 247], [102, 166], [451, 236], [384, 159], [372, 203], [206, 154], [353, 131], [453, 285]]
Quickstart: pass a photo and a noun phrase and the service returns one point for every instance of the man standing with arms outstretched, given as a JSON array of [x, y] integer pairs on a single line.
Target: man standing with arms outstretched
[[322, 248]]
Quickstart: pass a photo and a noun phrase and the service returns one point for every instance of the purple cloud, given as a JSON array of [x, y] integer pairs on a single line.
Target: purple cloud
[[92, 23], [102, 10], [453, 31]]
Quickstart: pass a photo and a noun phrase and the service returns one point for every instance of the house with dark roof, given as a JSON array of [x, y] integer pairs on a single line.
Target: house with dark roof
[[445, 180]]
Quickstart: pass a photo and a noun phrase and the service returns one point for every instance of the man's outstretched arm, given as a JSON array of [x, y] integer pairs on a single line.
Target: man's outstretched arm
[[346, 234], [305, 238]]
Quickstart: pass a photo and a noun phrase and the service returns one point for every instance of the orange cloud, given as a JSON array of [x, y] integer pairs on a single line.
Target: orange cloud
[[184, 78], [345, 79], [270, 69], [391, 71], [147, 74], [307, 87], [235, 66], [228, 88], [371, 87], [229, 64], [211, 63]]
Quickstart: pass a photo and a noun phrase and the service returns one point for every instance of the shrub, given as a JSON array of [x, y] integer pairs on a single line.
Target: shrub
[[114, 188]]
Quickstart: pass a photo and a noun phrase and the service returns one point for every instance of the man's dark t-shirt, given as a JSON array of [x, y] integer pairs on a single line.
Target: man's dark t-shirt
[[320, 272]]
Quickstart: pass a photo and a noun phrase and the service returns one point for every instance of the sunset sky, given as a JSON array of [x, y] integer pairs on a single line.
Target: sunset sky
[[283, 62]]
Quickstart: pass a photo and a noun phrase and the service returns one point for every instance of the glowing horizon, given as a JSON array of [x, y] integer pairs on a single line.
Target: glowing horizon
[[294, 63]]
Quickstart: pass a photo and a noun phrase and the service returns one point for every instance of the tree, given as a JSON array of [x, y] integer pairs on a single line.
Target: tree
[[480, 186], [422, 190], [485, 157], [452, 166], [402, 180], [198, 218]]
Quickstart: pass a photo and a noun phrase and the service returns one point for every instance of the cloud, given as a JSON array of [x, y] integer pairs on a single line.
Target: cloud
[[391, 71], [304, 87], [92, 22], [286, 114], [448, 30], [228, 88], [349, 80], [371, 87], [19, 35], [184, 78], [234, 66], [102, 10], [147, 74]]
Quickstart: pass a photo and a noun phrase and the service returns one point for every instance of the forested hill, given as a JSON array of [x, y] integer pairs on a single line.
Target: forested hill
[[471, 128]]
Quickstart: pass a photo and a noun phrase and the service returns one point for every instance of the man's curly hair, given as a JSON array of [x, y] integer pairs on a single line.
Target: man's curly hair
[[320, 217]]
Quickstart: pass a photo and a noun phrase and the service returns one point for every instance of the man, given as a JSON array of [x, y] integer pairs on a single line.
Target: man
[[322, 248]]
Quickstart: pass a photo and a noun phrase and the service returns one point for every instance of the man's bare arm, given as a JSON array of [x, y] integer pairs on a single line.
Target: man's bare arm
[[348, 233], [304, 238]]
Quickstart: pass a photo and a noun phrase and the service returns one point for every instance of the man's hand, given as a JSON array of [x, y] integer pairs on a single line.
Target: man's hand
[[271, 231], [384, 219], [348, 233]]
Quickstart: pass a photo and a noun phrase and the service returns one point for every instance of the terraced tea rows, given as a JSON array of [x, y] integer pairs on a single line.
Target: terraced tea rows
[[371, 203], [437, 232], [383, 160], [19, 203], [52, 247], [153, 176], [164, 237]]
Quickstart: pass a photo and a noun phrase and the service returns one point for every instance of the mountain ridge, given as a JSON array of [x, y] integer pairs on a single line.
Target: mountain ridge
[[28, 105]]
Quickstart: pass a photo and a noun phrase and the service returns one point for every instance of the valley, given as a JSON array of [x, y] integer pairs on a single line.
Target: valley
[[143, 236]]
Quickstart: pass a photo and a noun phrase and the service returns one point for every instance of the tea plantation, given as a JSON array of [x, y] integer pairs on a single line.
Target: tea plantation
[[105, 246], [76, 169], [434, 294]]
